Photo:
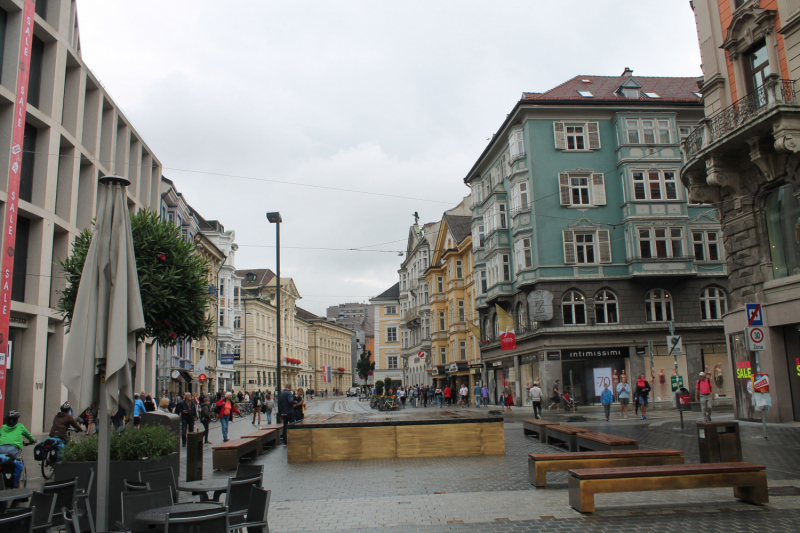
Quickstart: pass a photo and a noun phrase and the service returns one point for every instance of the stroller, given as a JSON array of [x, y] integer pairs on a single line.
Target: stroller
[[569, 403]]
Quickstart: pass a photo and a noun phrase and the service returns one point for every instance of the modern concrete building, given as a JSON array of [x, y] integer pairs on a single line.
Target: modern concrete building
[[744, 159], [387, 334], [74, 134]]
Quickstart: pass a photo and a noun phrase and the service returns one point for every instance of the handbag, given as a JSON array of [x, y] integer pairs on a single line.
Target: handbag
[[217, 409]]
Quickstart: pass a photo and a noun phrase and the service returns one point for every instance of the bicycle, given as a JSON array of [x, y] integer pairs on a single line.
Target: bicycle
[[8, 471], [51, 456]]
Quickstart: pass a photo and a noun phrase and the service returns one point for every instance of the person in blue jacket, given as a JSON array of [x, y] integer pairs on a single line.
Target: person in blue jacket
[[606, 397]]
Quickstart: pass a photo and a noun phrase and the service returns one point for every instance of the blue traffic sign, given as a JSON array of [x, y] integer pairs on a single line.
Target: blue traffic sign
[[754, 315]]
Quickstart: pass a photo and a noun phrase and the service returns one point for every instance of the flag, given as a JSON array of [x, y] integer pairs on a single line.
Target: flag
[[508, 339], [474, 330]]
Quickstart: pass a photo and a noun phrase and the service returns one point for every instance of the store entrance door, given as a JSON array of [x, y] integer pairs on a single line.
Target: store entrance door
[[791, 336], [588, 377]]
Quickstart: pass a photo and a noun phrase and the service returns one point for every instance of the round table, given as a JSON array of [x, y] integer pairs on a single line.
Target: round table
[[159, 514], [12, 495], [203, 487]]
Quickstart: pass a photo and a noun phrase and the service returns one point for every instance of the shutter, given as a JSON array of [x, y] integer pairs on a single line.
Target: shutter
[[604, 243], [598, 189], [563, 185], [561, 139], [594, 135], [569, 246]]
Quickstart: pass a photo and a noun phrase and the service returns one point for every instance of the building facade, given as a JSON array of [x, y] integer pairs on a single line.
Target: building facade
[[387, 322], [329, 348], [74, 134], [584, 235], [357, 317], [744, 159]]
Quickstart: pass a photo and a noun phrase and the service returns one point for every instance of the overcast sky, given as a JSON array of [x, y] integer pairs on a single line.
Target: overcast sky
[[397, 99]]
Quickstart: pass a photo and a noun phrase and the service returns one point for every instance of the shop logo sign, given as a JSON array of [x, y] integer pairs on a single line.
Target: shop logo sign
[[540, 302]]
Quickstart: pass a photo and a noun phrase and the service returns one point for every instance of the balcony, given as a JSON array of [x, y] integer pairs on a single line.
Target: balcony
[[525, 208]]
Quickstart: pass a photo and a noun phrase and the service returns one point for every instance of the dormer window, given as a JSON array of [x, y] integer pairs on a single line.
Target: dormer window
[[631, 93], [250, 276], [652, 95], [586, 94]]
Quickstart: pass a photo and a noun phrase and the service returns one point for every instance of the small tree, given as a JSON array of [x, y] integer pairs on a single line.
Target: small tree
[[364, 366], [379, 388], [387, 384]]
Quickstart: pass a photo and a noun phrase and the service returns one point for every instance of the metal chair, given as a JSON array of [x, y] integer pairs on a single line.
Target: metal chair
[[17, 522], [238, 495], [134, 503], [65, 492], [257, 510], [214, 522], [245, 470], [160, 477], [133, 486], [44, 506]]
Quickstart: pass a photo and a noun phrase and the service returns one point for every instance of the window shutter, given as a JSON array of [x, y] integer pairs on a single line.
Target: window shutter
[[569, 246], [563, 185], [603, 238], [594, 135], [561, 139], [598, 189]]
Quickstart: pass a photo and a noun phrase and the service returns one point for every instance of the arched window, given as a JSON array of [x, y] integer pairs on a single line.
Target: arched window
[[573, 306], [520, 317], [605, 308], [713, 303], [783, 211], [658, 305]]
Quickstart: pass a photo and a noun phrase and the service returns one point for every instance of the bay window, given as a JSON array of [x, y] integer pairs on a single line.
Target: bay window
[[655, 185], [515, 144], [522, 253], [519, 198], [660, 242], [706, 245]]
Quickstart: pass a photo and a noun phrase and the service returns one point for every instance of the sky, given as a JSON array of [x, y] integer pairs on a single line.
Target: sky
[[255, 106]]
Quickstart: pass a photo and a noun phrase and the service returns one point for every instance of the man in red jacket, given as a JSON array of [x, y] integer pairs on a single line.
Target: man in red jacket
[[448, 394]]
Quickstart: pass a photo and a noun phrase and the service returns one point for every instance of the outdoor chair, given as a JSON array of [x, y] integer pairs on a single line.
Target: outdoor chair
[[257, 510], [237, 497], [214, 522], [65, 492], [17, 522], [71, 520], [134, 486], [44, 506], [134, 503], [245, 470], [161, 477]]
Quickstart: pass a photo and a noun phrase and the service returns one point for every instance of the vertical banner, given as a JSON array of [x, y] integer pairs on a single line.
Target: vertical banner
[[328, 371], [508, 339], [15, 165]]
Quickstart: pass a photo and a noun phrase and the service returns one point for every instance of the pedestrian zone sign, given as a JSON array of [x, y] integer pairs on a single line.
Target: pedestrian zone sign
[[754, 315], [755, 338], [674, 345]]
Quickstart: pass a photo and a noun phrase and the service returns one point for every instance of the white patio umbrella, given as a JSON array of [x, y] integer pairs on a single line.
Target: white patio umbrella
[[107, 315]]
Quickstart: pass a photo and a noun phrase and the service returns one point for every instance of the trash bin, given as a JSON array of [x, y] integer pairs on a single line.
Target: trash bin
[[683, 400], [194, 456], [719, 442]]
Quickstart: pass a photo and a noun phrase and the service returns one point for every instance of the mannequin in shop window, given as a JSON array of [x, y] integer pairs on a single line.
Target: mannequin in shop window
[[615, 382], [662, 382], [718, 378]]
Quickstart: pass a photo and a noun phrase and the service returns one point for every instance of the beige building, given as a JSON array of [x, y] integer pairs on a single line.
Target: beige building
[[329, 346], [74, 134], [387, 322]]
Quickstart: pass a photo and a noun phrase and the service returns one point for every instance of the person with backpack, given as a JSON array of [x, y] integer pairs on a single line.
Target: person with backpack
[[606, 398], [205, 417], [704, 394], [256, 399], [642, 393], [11, 434]]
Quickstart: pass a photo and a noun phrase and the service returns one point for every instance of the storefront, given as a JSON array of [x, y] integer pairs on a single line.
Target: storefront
[[529, 373], [457, 375], [585, 371], [475, 378]]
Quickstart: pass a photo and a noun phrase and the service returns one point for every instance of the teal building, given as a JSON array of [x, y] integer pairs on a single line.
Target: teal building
[[584, 233]]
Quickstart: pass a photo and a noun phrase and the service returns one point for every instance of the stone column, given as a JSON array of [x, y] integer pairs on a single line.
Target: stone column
[[517, 385]]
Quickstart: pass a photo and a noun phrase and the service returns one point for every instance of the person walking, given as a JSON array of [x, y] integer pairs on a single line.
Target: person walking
[[267, 406], [256, 399], [704, 394], [205, 417], [401, 395], [438, 395], [536, 395], [476, 393], [286, 402], [643, 390], [485, 396], [508, 394], [448, 393], [556, 398], [225, 413], [163, 405], [606, 397], [464, 393], [187, 411], [149, 404], [624, 396], [138, 410]]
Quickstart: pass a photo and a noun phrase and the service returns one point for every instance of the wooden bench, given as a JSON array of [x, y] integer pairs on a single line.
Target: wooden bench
[[565, 434], [603, 442], [537, 427], [265, 437], [749, 481], [226, 456], [539, 464]]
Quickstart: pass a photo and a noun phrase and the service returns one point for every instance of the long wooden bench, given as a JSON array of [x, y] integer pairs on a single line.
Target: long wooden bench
[[266, 437], [539, 464], [565, 434], [749, 481], [537, 427], [226, 456], [603, 442]]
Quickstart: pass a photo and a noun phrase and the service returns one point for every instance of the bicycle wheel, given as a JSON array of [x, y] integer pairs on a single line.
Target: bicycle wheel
[[48, 468], [23, 479]]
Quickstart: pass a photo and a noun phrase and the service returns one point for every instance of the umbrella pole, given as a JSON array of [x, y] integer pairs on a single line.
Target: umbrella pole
[[103, 461]]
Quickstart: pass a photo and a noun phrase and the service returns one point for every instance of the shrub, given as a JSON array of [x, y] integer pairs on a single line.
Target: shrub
[[379, 388], [149, 442], [387, 384]]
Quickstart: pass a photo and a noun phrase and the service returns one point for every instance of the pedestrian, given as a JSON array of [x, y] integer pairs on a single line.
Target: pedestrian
[[149, 404], [704, 394], [172, 403], [476, 393], [624, 396], [267, 406], [299, 406], [138, 409], [536, 396], [240, 396], [643, 389], [556, 398], [401, 395], [256, 399], [187, 411], [606, 397], [163, 405], [509, 398], [485, 396], [448, 394], [88, 419], [225, 410], [438, 395], [118, 420], [414, 396], [464, 392], [431, 395], [205, 417], [286, 403]]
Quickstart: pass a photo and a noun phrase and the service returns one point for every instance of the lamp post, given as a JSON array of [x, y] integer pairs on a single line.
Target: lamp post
[[246, 312], [275, 218]]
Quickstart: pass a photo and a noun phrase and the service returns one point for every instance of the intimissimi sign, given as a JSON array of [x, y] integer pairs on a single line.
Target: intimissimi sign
[[591, 353]]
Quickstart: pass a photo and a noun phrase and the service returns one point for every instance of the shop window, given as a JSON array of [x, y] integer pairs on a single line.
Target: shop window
[[713, 303], [605, 308], [783, 227], [573, 307], [658, 305]]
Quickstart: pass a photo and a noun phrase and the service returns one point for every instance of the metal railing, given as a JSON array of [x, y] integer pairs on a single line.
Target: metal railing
[[525, 208], [694, 142]]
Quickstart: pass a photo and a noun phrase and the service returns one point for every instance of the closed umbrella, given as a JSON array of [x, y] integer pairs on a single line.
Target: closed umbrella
[[107, 315]]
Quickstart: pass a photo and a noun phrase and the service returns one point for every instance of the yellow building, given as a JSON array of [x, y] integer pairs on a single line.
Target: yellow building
[[328, 346], [455, 350], [204, 351], [387, 354]]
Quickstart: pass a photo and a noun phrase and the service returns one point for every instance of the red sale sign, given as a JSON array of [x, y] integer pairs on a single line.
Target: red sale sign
[[761, 383]]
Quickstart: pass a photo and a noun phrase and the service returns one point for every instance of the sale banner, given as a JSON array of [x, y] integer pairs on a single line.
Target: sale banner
[[505, 323]]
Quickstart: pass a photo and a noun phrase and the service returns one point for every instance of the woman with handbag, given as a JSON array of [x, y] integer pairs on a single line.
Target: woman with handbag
[[267, 406], [300, 406]]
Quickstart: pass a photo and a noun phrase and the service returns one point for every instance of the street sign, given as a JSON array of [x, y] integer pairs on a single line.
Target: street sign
[[755, 338], [201, 378], [162, 377], [675, 345], [761, 383], [226, 358], [754, 315]]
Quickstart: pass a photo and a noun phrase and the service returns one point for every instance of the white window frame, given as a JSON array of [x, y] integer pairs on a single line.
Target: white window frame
[[442, 321], [706, 245], [443, 355], [595, 189], [462, 312], [391, 362], [391, 334], [646, 178], [519, 198], [440, 284], [648, 130], [462, 346], [516, 144], [390, 309], [713, 303], [576, 137], [478, 236], [570, 302], [601, 242], [606, 300], [658, 301], [590, 135], [484, 286], [523, 254], [459, 269], [652, 236], [585, 242]]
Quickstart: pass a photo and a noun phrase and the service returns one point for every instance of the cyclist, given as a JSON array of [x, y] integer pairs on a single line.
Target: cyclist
[[62, 422], [11, 434]]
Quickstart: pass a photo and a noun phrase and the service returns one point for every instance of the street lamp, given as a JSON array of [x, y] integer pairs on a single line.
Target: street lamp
[[275, 218], [246, 312]]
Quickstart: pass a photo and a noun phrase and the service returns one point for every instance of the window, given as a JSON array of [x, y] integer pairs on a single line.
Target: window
[[577, 136], [586, 94], [443, 355], [495, 218], [587, 246], [757, 65], [222, 318], [515, 145], [439, 284], [648, 131], [522, 251], [658, 305], [35, 80], [660, 242], [782, 212], [462, 345], [477, 191], [506, 267], [459, 269], [26, 173], [461, 311], [484, 288], [390, 309], [654, 185], [3, 27], [391, 334], [442, 325], [391, 361], [652, 95], [706, 245], [684, 131], [605, 308], [519, 198], [424, 296], [478, 236], [713, 304], [573, 307], [402, 282], [582, 189], [520, 317]]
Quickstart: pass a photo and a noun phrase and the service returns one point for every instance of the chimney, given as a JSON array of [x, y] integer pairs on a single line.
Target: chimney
[[628, 73]]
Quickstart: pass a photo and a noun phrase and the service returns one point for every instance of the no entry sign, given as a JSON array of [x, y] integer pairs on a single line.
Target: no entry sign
[[756, 338]]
